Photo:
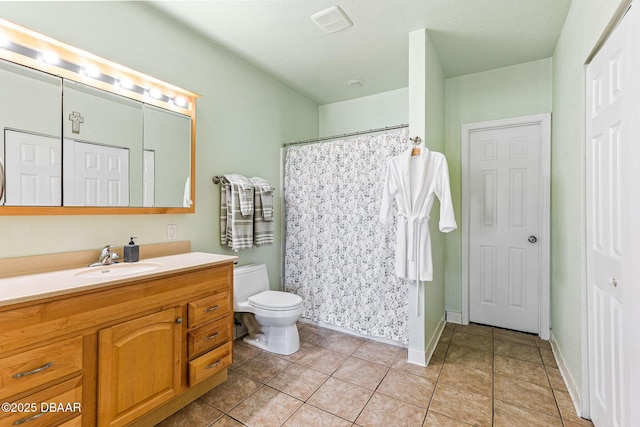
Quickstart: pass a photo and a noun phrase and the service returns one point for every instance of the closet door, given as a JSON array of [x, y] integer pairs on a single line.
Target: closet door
[[613, 200]]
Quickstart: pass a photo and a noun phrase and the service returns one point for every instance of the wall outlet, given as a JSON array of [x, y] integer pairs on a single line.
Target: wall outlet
[[172, 231]]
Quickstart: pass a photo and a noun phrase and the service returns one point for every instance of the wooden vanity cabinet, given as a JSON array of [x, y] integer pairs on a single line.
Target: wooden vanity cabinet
[[128, 354]]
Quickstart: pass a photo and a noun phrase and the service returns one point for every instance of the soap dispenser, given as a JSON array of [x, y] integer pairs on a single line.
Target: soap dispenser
[[131, 251]]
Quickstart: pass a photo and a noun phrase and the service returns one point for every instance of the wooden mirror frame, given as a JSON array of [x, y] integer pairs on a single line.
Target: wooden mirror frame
[[41, 43]]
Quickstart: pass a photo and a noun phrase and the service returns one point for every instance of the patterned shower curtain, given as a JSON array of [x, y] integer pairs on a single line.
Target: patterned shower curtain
[[338, 257]]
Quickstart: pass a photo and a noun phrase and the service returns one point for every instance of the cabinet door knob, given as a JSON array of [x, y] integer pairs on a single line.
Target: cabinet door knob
[[179, 320]]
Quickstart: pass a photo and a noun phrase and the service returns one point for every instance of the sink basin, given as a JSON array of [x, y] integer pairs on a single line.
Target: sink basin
[[117, 270]]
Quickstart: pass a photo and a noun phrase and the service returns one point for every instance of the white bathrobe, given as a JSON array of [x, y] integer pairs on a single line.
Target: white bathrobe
[[414, 182]]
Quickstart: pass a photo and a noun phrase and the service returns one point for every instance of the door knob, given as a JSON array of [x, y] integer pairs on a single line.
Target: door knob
[[533, 239], [613, 282]]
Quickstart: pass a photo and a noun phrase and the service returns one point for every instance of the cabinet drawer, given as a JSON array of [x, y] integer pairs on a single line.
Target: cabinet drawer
[[209, 308], [35, 367], [76, 422], [49, 407], [209, 363], [209, 336]]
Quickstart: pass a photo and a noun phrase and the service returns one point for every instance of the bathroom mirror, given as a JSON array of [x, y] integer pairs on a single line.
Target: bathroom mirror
[[83, 135]]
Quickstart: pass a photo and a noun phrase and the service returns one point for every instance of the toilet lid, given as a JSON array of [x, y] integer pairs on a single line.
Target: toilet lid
[[274, 300]]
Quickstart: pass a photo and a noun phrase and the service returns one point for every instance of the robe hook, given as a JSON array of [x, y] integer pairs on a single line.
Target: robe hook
[[416, 140]]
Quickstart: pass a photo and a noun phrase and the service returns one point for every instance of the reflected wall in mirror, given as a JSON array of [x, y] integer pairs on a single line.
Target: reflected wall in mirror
[[83, 135]]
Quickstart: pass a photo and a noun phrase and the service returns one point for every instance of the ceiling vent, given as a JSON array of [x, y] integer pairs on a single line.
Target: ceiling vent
[[332, 20]]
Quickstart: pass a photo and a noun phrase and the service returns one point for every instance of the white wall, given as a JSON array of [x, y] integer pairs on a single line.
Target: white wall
[[243, 117]]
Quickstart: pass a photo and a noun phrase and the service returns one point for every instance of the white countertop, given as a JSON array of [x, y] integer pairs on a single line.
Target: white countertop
[[36, 286]]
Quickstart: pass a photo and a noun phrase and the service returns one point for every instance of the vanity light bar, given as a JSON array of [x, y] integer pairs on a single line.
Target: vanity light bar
[[31, 49]]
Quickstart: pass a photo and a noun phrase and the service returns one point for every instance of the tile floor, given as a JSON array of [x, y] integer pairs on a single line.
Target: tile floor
[[478, 376]]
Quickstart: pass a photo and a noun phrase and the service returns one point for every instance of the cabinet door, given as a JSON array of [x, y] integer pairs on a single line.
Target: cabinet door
[[139, 366]]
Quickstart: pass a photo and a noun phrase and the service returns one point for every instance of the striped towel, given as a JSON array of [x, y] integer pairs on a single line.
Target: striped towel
[[263, 212], [236, 226]]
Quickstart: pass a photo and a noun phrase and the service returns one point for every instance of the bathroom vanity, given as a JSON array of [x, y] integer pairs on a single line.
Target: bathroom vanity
[[128, 344]]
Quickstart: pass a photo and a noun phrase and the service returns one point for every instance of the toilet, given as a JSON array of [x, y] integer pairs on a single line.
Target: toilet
[[275, 312]]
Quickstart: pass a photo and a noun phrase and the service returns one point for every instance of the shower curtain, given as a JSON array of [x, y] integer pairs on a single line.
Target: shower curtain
[[338, 257]]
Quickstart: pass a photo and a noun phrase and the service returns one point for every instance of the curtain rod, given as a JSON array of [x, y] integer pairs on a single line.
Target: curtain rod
[[345, 135]]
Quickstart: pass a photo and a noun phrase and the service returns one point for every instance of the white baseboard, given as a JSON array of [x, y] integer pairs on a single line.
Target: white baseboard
[[572, 387], [422, 358], [454, 317]]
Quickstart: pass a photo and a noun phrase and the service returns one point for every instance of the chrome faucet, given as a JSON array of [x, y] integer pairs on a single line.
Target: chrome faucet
[[107, 257]]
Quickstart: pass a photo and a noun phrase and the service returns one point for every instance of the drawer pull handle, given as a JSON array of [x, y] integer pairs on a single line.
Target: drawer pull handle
[[214, 364], [210, 309], [35, 371], [210, 337], [26, 420]]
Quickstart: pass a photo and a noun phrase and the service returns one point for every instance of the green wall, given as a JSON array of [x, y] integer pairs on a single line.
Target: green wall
[[367, 112], [585, 23], [243, 117], [518, 90]]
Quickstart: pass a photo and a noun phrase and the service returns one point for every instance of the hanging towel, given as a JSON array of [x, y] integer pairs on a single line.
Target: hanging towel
[[263, 188], [236, 226], [263, 212]]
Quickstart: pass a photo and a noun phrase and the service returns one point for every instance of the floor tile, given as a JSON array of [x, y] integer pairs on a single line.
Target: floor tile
[[262, 368], [308, 416], [384, 411], [298, 381], [436, 420], [507, 415], [568, 410], [440, 351], [313, 334], [342, 343], [521, 369], [195, 414], [517, 351], [514, 336], [432, 371], [266, 407], [525, 394], [555, 378], [477, 342], [231, 392], [243, 352], [548, 358], [478, 375], [227, 421], [470, 357], [305, 348], [361, 372], [467, 378], [323, 360], [476, 329], [407, 387], [341, 398], [376, 352], [473, 408]]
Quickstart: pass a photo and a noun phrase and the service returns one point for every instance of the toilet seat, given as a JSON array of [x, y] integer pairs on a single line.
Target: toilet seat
[[275, 301]]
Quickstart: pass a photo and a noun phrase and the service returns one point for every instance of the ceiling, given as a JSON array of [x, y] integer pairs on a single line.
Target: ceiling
[[279, 38]]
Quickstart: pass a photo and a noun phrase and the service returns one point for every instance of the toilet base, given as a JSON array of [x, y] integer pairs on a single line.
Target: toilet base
[[276, 339]]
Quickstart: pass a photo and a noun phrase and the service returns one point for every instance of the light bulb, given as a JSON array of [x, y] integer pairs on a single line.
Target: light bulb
[[49, 57], [155, 93], [180, 101], [4, 40]]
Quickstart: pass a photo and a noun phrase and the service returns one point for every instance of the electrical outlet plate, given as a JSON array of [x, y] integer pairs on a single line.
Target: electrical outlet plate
[[172, 232]]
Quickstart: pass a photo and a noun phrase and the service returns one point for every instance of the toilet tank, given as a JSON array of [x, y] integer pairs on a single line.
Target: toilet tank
[[249, 280]]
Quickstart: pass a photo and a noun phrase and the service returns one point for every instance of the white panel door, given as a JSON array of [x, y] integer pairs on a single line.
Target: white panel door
[[95, 175], [33, 169], [504, 220], [613, 200]]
